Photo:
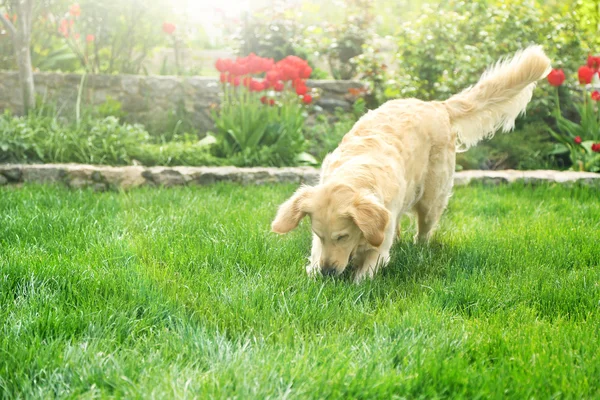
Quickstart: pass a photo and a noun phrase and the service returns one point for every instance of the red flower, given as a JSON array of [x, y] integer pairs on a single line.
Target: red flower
[[593, 62], [278, 86], [301, 89], [168, 28], [267, 64], [271, 102], [305, 72], [223, 77], [90, 38], [223, 65], [290, 72], [236, 81], [596, 147], [256, 86], [307, 99], [585, 74], [63, 28], [273, 75], [75, 10], [239, 68], [264, 100], [596, 95], [577, 140], [556, 77]]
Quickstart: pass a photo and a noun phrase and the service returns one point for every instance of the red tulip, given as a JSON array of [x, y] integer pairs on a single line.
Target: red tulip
[[90, 38], [223, 77], [301, 89], [256, 86], [596, 95], [577, 140], [63, 28], [556, 77], [593, 62], [168, 28], [267, 64], [239, 68], [596, 147], [305, 72], [264, 100], [271, 102], [273, 76], [278, 86], [290, 73], [307, 99], [223, 65], [236, 81], [75, 10], [585, 74]]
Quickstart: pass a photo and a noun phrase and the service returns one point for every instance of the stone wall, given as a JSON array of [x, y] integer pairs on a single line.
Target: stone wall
[[146, 98], [115, 178]]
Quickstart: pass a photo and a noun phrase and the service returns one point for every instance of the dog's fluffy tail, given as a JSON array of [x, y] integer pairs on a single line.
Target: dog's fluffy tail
[[501, 94]]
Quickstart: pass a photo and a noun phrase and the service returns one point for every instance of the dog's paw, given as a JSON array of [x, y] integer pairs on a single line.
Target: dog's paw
[[312, 270], [363, 273]]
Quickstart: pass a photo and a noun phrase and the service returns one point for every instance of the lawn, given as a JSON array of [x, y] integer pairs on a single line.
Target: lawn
[[185, 293]]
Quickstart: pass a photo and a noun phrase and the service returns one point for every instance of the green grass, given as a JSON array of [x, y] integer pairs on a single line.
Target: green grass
[[185, 293]]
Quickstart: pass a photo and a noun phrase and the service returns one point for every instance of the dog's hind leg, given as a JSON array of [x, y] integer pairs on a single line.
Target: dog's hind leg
[[435, 197]]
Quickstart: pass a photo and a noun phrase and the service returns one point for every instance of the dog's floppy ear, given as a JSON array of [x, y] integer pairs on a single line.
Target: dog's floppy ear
[[292, 211], [371, 218]]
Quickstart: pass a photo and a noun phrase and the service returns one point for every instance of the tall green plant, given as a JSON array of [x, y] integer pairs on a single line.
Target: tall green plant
[[260, 121]]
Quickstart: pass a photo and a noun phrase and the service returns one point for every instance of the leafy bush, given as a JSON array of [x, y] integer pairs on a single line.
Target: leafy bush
[[178, 152], [37, 138], [327, 132], [448, 47], [42, 138], [274, 33], [340, 43], [528, 147]]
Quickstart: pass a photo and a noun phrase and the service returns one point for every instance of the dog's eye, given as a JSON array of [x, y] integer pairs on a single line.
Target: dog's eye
[[342, 238]]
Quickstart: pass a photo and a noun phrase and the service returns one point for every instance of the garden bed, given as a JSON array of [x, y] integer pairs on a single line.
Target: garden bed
[[105, 177]]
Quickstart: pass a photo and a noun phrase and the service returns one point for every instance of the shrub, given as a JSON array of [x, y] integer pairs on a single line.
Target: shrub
[[41, 138], [528, 147], [184, 151], [447, 48], [274, 33], [340, 43], [325, 135]]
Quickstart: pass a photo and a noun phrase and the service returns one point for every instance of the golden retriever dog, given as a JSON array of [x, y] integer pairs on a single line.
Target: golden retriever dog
[[400, 158]]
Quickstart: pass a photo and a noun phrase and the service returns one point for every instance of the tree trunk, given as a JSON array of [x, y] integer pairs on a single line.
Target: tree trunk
[[21, 36], [26, 75], [23, 52]]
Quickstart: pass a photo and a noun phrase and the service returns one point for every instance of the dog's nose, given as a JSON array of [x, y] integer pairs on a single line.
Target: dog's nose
[[328, 271]]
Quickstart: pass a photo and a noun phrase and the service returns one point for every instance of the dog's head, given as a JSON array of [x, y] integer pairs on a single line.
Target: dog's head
[[341, 217]]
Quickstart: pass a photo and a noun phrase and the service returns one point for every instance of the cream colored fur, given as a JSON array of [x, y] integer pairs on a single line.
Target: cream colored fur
[[400, 158]]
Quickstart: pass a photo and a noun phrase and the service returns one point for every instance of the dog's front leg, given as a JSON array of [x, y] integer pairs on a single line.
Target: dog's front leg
[[369, 262], [313, 268]]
